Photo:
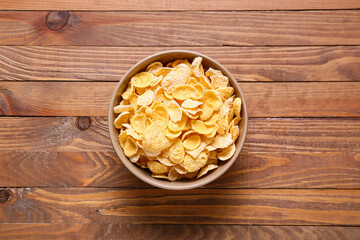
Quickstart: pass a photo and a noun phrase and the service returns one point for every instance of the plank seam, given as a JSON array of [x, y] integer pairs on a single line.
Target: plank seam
[[174, 192], [172, 10], [190, 46]]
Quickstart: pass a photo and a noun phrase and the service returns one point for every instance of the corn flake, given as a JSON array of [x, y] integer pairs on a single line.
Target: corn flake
[[130, 148], [135, 157], [156, 82], [163, 71], [122, 118], [237, 106], [174, 175], [177, 152], [161, 115], [160, 176], [178, 126], [168, 96], [192, 164], [196, 67], [203, 80], [154, 139], [213, 98], [183, 92], [146, 98], [160, 95], [206, 169], [190, 175], [179, 75], [192, 142], [192, 81], [179, 61], [139, 122], [174, 111], [235, 132], [154, 67], [227, 153], [157, 168], [206, 111], [222, 140], [201, 127], [195, 153], [122, 138], [187, 133], [213, 119], [129, 91], [200, 90], [123, 108], [131, 132], [192, 114], [219, 81], [211, 72], [189, 103], [171, 134], [225, 92], [165, 161], [142, 79]]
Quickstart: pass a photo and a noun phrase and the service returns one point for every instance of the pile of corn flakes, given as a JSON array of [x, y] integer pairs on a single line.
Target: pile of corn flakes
[[178, 120]]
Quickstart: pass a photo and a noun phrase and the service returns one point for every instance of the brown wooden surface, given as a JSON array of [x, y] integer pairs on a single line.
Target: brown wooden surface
[[264, 134], [252, 170], [199, 206], [280, 99], [289, 64], [165, 5], [298, 175], [325, 154], [114, 231], [180, 28]]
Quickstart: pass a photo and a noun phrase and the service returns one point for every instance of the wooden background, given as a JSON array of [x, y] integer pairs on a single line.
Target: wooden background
[[297, 62]]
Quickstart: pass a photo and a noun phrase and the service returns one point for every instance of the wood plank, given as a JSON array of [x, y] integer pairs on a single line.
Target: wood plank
[[245, 63], [251, 170], [264, 135], [197, 206], [180, 28], [308, 99], [80, 231], [163, 5], [55, 98], [278, 153]]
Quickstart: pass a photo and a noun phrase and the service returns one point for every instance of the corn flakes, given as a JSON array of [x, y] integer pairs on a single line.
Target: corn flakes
[[179, 120]]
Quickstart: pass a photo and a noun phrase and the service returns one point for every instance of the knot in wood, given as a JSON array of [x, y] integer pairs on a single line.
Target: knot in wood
[[83, 123], [4, 195], [56, 20]]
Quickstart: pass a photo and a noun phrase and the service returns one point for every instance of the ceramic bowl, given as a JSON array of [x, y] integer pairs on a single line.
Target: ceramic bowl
[[145, 174]]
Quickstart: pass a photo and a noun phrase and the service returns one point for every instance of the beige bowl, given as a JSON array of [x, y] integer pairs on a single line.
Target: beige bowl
[[144, 174]]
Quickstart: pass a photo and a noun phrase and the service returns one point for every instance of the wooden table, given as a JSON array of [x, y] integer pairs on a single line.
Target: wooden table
[[298, 176]]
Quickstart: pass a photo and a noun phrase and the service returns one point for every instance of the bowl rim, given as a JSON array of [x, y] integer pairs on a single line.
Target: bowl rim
[[136, 170]]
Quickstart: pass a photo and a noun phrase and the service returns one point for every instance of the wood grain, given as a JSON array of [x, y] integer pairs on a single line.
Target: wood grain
[[55, 98], [228, 206], [312, 99], [180, 28], [264, 135], [245, 63], [278, 153], [112, 231], [152, 5], [251, 170]]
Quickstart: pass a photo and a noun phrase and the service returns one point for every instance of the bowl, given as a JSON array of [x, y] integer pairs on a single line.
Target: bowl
[[145, 174]]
